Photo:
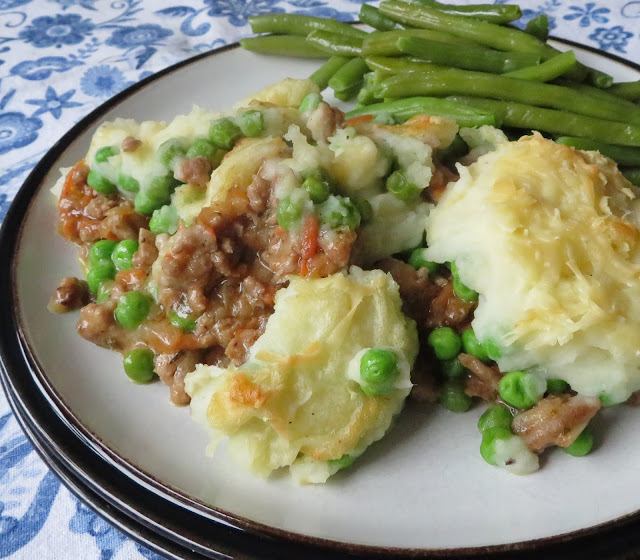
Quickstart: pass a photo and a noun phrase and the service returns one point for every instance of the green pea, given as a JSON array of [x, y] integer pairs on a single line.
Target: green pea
[[496, 416], [607, 400], [104, 153], [445, 343], [132, 309], [379, 371], [418, 260], [128, 183], [557, 386], [289, 212], [104, 291], [342, 463], [160, 189], [101, 251], [492, 349], [187, 324], [101, 271], [520, 389], [318, 189], [123, 254], [164, 220], [452, 369], [490, 437], [145, 205], [100, 184], [400, 187], [581, 445], [463, 292], [138, 365], [364, 208], [339, 212], [201, 147], [223, 133], [170, 150], [251, 123], [472, 346], [453, 397]]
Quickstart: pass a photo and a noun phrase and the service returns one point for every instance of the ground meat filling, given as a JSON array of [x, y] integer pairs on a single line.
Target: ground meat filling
[[555, 420], [70, 295], [483, 380], [222, 271], [86, 216]]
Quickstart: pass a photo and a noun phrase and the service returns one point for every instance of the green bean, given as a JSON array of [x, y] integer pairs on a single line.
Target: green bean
[[403, 109], [348, 94], [282, 45], [374, 18], [488, 34], [548, 70], [386, 65], [538, 27], [470, 58], [501, 13], [519, 115], [297, 24], [602, 94], [632, 174], [440, 83], [366, 95], [384, 42], [626, 90], [599, 79], [332, 43], [323, 74], [350, 75], [622, 155]]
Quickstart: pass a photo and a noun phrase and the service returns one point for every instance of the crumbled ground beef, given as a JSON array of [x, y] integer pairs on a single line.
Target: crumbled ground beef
[[555, 420], [223, 271], [70, 295]]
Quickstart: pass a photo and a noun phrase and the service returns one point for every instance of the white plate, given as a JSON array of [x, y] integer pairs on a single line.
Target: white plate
[[424, 486]]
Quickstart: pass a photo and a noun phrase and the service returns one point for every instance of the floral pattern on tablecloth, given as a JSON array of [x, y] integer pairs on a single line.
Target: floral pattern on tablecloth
[[59, 59]]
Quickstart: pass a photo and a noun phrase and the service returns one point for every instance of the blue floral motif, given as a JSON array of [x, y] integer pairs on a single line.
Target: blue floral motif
[[87, 4], [103, 81], [108, 540], [16, 460], [4, 206], [17, 130], [329, 13], [53, 103], [528, 15], [587, 14], [237, 11], [612, 38], [142, 35], [58, 30], [631, 9], [42, 68], [11, 4], [139, 40]]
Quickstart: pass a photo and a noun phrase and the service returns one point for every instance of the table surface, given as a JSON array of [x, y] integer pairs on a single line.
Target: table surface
[[59, 59]]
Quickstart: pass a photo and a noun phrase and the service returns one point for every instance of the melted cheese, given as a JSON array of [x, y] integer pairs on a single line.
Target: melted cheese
[[549, 237], [296, 402]]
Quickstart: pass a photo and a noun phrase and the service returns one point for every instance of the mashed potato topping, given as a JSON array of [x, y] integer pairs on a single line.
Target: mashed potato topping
[[548, 235], [294, 403]]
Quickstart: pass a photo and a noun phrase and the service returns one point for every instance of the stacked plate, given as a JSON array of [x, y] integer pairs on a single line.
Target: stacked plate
[[140, 462]]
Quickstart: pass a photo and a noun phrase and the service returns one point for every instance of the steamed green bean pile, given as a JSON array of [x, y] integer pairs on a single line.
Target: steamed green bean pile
[[466, 63]]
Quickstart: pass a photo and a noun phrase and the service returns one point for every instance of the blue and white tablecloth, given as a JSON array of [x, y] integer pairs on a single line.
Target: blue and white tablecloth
[[59, 59]]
